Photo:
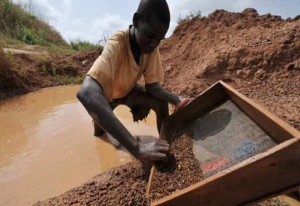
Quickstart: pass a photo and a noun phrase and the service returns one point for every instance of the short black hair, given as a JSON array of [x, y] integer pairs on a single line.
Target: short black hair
[[157, 8]]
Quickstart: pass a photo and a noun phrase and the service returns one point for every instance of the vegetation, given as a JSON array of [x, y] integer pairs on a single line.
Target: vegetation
[[82, 45], [192, 15], [17, 23], [18, 28]]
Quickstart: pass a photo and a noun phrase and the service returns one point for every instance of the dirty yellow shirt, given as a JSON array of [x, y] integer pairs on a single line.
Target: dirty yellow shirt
[[117, 71]]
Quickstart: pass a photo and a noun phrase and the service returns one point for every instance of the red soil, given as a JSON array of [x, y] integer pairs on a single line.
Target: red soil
[[257, 54]]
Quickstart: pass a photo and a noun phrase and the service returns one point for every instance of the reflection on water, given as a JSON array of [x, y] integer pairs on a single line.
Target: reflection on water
[[47, 145]]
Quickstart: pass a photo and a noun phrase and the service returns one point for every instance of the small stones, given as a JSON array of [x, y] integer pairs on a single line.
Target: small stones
[[85, 62], [179, 166], [117, 173], [177, 172], [261, 74]]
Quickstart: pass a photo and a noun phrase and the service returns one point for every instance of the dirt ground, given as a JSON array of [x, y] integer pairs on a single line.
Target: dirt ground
[[22, 71], [259, 55], [125, 185]]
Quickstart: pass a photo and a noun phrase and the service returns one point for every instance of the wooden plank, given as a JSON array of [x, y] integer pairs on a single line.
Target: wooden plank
[[207, 100], [264, 175], [272, 125]]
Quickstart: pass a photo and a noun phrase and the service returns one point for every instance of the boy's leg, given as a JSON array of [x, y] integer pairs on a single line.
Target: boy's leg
[[98, 131], [139, 97]]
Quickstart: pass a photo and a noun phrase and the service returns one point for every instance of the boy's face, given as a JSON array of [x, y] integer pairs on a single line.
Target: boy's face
[[149, 34]]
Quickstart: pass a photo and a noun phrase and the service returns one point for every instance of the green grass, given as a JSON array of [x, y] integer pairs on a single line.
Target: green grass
[[19, 24], [9, 42], [19, 28], [79, 45]]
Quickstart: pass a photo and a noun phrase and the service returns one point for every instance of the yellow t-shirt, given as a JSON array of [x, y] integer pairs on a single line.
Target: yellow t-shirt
[[117, 71]]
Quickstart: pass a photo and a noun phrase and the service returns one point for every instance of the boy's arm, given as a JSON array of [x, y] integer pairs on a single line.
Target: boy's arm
[[92, 97], [158, 91]]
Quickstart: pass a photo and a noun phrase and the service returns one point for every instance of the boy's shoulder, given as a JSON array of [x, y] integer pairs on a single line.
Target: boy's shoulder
[[119, 37], [117, 42]]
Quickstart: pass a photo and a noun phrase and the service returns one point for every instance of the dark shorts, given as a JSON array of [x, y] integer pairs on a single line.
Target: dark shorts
[[139, 111]]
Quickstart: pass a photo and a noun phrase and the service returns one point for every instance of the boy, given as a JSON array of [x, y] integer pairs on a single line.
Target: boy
[[112, 81]]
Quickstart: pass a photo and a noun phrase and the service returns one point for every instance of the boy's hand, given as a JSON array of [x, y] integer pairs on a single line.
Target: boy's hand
[[182, 103], [152, 149]]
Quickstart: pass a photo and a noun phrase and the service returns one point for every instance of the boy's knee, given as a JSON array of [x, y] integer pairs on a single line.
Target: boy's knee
[[160, 106]]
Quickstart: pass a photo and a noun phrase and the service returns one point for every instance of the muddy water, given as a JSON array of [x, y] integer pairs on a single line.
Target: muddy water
[[47, 145]]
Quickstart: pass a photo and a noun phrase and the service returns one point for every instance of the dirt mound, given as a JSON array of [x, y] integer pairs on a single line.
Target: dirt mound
[[4, 66], [257, 54], [3, 60], [24, 72], [13, 79], [4, 70], [78, 63]]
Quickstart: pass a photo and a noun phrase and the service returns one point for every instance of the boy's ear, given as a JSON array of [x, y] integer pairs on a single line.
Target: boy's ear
[[136, 19]]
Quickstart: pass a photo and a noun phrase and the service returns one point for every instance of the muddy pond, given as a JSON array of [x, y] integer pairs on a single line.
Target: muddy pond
[[47, 145]]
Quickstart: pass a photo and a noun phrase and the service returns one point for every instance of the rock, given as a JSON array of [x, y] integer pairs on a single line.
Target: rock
[[247, 72], [239, 73], [260, 74], [294, 65], [168, 68], [29, 48], [85, 62]]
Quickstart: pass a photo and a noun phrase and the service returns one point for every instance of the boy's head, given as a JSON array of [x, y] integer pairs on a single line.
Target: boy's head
[[151, 22]]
